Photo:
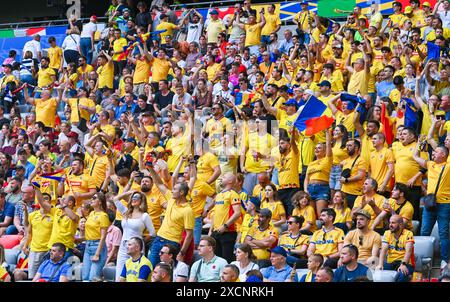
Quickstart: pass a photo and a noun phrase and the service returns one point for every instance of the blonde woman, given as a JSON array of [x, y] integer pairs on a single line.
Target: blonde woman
[[135, 221]]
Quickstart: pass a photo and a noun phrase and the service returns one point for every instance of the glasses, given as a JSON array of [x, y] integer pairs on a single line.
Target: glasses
[[290, 222], [361, 238], [162, 253]]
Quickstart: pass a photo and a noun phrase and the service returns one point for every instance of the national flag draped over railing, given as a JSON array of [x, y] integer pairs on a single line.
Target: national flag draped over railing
[[314, 117]]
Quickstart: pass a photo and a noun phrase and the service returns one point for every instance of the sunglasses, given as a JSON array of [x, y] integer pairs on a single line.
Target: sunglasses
[[290, 222]]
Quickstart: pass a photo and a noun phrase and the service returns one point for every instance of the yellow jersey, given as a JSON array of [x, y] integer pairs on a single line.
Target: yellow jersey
[[289, 242], [46, 111], [252, 34], [76, 112], [355, 187], [364, 242], [45, 77], [223, 208], [98, 169], [443, 193], [378, 165], [180, 146], [169, 27], [155, 202], [138, 270], [339, 154], [288, 175], [199, 193], [106, 75], [320, 169], [118, 46], [94, 223], [405, 165], [406, 211], [262, 144], [41, 226], [256, 233], [217, 129], [379, 200], [63, 230], [272, 22], [142, 71], [55, 54], [397, 247], [309, 213], [276, 208], [327, 242]]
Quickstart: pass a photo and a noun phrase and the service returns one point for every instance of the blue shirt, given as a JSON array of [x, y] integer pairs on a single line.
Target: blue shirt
[[285, 46], [342, 274], [384, 88], [281, 275], [7, 211], [48, 267]]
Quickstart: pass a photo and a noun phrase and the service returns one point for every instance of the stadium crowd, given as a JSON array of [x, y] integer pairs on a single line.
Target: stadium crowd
[[176, 149]]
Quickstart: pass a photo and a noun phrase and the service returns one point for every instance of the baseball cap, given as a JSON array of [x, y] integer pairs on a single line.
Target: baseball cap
[[279, 250], [426, 4], [126, 9], [364, 213], [214, 12], [265, 212], [324, 83], [291, 102], [408, 9], [162, 16], [72, 134], [303, 2]]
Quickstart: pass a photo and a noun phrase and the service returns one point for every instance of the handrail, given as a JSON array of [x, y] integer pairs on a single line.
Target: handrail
[[210, 3]]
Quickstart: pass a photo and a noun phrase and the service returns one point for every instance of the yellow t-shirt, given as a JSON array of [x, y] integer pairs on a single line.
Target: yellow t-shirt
[[355, 187], [378, 165], [205, 166], [169, 27], [45, 77], [397, 248], [276, 208], [212, 71], [434, 169], [41, 225], [160, 69], [216, 130], [142, 71], [247, 222], [262, 144], [223, 208], [370, 240], [106, 75], [94, 223], [398, 19], [84, 73], [252, 34], [285, 121], [327, 242], [199, 193], [155, 202], [339, 154], [73, 103], [118, 45], [64, 229], [320, 169], [213, 30], [256, 233], [288, 170], [48, 186], [358, 82], [177, 219], [379, 200], [309, 213], [343, 216], [179, 147], [108, 129], [406, 211], [272, 21], [46, 111], [55, 54], [405, 165], [133, 268], [304, 18], [97, 171], [287, 241], [346, 120]]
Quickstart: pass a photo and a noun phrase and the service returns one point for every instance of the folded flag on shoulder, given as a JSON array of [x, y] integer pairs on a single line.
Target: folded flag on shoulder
[[314, 117]]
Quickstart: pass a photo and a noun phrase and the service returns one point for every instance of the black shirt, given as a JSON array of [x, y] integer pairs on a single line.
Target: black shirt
[[143, 19], [163, 101], [147, 108]]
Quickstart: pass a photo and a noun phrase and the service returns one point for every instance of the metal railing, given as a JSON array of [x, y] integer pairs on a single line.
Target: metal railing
[[42, 23]]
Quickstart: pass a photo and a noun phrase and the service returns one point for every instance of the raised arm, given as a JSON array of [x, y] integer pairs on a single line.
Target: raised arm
[[269, 108], [416, 155], [331, 104]]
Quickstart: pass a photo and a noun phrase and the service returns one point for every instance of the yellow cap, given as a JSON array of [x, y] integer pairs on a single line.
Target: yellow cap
[[426, 4], [408, 9]]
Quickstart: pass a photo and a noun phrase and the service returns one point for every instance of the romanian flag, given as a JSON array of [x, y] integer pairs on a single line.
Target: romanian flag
[[388, 128], [314, 117], [56, 175]]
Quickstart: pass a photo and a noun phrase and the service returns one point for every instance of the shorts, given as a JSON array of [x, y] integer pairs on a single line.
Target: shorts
[[335, 176], [319, 191]]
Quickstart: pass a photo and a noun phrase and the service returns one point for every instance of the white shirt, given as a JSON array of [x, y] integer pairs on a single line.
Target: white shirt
[[88, 29], [181, 270], [33, 46], [194, 32], [243, 270], [71, 42]]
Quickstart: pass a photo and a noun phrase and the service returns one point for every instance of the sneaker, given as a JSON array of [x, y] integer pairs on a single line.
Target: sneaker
[[443, 264]]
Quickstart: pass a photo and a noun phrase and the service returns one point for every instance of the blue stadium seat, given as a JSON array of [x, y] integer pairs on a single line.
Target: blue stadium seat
[[109, 273]]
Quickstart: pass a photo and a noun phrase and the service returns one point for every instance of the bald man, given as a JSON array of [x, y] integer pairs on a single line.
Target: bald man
[[397, 249], [227, 209]]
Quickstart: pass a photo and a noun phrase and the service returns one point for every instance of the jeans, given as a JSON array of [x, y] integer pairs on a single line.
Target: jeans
[[442, 215], [86, 50], [11, 230], [250, 181], [265, 39], [335, 176], [400, 276], [275, 176], [319, 191], [71, 56], [157, 245], [198, 230], [92, 270]]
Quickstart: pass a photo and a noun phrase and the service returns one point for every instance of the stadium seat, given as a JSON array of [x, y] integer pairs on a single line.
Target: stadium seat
[[384, 276], [435, 234], [11, 256], [109, 273], [300, 272], [423, 253], [415, 224]]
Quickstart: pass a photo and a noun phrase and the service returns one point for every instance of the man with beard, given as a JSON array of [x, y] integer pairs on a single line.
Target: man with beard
[[397, 205], [397, 249], [407, 170], [367, 240], [370, 201], [327, 241], [372, 128], [14, 195], [350, 269], [353, 172], [81, 108], [438, 170], [76, 183], [381, 164]]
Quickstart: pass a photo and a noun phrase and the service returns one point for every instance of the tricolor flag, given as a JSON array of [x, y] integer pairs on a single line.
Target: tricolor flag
[[56, 175], [314, 117]]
